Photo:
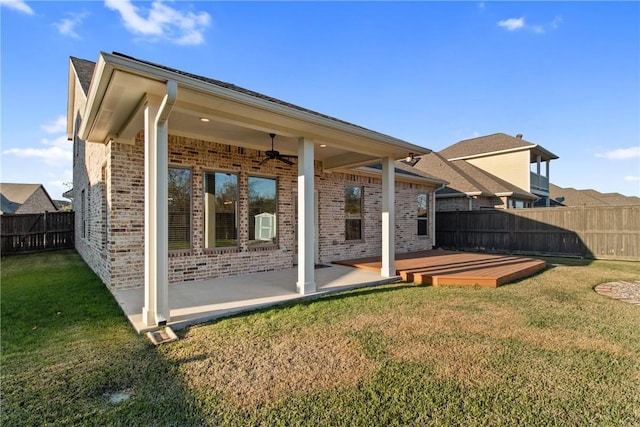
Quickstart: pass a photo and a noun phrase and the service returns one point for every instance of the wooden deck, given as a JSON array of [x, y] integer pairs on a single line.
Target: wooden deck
[[440, 268]]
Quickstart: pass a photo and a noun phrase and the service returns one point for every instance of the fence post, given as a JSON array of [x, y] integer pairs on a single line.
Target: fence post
[[457, 235], [45, 229]]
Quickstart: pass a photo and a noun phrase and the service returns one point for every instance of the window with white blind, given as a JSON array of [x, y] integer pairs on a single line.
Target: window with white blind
[[179, 208]]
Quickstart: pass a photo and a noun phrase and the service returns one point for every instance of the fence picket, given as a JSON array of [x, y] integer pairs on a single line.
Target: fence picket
[[23, 233], [599, 232]]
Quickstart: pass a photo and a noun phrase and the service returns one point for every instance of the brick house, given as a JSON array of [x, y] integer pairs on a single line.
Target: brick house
[[522, 164], [179, 177]]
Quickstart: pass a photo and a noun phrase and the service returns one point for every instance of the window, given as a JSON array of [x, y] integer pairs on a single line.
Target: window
[[179, 208], [353, 213], [220, 210], [423, 214], [83, 214], [262, 211]]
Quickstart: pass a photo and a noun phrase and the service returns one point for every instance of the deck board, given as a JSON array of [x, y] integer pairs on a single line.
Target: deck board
[[442, 268]]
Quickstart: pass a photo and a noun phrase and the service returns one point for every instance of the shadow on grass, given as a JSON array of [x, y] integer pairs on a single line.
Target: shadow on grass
[[67, 349], [326, 298]]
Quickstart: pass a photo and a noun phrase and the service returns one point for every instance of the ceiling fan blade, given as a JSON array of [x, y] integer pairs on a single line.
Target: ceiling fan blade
[[282, 159], [266, 159]]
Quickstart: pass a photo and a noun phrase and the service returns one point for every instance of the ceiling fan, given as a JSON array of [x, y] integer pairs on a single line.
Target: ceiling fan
[[273, 154]]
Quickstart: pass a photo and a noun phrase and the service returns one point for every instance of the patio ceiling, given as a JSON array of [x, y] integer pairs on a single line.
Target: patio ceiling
[[121, 86]]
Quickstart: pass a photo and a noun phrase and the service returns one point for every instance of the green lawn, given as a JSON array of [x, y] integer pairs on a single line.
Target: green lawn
[[547, 350]]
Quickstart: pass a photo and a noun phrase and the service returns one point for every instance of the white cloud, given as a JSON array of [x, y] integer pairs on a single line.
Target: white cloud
[[54, 153], [621, 153], [555, 23], [19, 5], [632, 178], [512, 24], [58, 125], [162, 21], [67, 26]]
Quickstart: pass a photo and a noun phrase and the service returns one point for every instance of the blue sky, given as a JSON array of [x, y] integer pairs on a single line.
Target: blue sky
[[564, 74]]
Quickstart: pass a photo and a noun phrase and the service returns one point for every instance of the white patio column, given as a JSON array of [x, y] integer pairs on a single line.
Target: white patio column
[[388, 218], [156, 252], [548, 184], [306, 218]]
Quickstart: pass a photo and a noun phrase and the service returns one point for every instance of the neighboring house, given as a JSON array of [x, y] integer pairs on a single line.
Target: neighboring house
[[176, 177], [516, 161], [471, 188], [25, 199], [572, 197]]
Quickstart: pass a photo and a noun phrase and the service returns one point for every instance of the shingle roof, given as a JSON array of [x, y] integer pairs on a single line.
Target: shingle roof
[[589, 197], [239, 89], [484, 144], [465, 178], [14, 195], [84, 71]]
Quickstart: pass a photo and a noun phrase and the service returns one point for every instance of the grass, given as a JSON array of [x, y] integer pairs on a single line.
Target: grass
[[546, 350]]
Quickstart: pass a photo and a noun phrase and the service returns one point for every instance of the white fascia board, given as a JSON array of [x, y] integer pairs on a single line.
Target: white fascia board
[[545, 151], [462, 194], [514, 194], [99, 82], [71, 100], [388, 143], [491, 153]]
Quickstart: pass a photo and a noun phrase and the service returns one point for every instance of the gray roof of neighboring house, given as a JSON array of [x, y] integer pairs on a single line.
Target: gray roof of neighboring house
[[589, 197], [14, 195], [465, 178], [403, 168], [84, 71], [489, 144]]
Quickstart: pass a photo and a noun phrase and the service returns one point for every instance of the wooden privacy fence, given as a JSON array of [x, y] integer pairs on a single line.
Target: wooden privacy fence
[[600, 232], [36, 232]]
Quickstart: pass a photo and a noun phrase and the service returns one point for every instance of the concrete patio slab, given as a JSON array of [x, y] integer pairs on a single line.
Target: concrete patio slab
[[197, 302]]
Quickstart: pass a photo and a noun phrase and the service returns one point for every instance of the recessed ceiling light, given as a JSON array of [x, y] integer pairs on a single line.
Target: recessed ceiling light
[[323, 145], [204, 119]]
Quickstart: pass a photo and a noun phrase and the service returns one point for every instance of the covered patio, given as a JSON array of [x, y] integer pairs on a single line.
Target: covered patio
[[129, 98], [197, 302]]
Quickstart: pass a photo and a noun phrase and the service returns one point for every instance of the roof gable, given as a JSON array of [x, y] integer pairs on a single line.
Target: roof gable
[[84, 71], [18, 193], [484, 145], [15, 196]]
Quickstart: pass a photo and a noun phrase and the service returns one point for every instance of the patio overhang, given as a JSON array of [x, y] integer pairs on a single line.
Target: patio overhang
[[121, 85]]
